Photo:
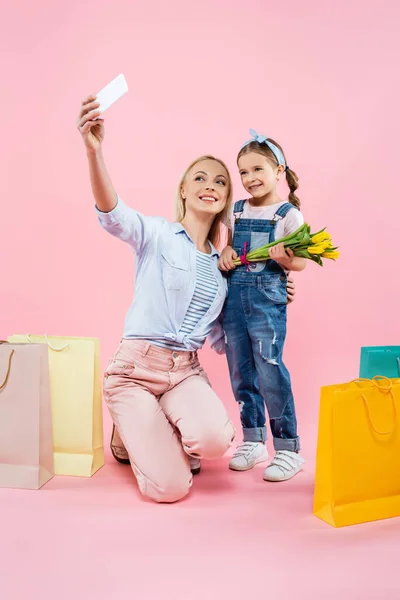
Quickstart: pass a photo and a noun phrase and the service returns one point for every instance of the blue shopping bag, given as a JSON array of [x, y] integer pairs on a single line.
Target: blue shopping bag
[[380, 360]]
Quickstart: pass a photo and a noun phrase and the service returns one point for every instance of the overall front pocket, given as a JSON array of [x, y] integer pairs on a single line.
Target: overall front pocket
[[275, 292]]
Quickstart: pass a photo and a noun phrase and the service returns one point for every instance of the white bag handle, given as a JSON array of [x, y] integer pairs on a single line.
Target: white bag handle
[[385, 389], [49, 344]]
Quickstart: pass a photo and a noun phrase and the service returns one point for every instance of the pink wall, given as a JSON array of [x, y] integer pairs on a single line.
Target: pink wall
[[323, 80]]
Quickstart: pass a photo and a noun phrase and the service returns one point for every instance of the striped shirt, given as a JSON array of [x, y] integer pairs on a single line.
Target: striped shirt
[[204, 293]]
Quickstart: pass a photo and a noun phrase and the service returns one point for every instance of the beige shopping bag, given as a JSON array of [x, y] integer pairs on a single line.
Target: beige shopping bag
[[26, 437], [75, 383]]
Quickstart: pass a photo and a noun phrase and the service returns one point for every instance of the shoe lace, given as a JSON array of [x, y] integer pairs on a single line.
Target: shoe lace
[[245, 449]]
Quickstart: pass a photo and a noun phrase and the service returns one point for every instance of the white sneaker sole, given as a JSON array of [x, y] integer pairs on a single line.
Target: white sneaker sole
[[278, 479], [248, 467]]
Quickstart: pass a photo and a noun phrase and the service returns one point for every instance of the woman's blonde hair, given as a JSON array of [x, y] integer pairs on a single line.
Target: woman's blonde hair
[[180, 204]]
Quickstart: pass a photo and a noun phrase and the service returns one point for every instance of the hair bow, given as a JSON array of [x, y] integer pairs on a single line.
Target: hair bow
[[262, 139]]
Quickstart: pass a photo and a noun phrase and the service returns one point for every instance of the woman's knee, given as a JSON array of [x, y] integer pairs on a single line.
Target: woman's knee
[[169, 490], [168, 494], [211, 443]]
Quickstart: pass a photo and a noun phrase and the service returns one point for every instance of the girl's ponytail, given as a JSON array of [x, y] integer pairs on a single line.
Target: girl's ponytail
[[293, 183]]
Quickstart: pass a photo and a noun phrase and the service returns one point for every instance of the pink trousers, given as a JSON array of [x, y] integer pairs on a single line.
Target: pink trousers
[[164, 408]]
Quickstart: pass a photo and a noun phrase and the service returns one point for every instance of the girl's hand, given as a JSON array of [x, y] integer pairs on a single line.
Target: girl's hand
[[92, 132], [282, 256], [225, 262]]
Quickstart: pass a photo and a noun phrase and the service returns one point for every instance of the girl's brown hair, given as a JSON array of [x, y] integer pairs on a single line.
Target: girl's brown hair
[[180, 204], [264, 150]]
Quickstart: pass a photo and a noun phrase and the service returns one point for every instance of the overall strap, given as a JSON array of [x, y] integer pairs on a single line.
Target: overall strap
[[238, 208], [283, 210]]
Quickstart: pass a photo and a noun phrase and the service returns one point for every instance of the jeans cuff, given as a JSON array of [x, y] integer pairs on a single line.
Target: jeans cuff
[[256, 434], [282, 444]]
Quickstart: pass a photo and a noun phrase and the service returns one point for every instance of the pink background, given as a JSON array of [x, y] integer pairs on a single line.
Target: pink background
[[319, 77], [323, 82]]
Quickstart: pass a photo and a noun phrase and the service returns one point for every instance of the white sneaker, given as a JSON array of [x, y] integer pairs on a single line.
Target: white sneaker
[[247, 455], [284, 466]]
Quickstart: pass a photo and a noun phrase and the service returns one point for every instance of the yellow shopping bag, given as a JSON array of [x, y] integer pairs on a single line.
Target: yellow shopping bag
[[358, 455], [76, 397]]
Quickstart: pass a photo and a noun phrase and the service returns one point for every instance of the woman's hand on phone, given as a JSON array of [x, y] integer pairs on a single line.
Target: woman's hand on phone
[[92, 131]]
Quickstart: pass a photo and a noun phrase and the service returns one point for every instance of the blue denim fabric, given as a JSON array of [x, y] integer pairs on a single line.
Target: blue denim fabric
[[254, 320]]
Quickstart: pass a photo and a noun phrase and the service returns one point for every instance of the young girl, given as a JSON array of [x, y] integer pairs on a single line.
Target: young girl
[[255, 310]]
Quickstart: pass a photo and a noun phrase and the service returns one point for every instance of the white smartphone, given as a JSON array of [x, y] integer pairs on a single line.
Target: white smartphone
[[111, 93]]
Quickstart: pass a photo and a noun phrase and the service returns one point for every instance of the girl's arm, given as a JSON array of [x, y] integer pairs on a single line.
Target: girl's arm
[[297, 263], [286, 258], [293, 220], [228, 255]]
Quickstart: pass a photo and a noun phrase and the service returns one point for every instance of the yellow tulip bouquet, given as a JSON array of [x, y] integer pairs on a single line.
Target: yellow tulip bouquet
[[313, 246]]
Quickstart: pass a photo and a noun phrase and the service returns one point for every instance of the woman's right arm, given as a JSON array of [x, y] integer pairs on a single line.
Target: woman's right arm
[[92, 132], [102, 188], [118, 219]]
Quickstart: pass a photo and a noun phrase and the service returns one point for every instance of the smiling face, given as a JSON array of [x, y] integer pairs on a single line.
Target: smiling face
[[259, 176], [206, 187]]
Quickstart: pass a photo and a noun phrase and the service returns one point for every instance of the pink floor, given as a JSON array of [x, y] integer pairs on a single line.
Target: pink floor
[[234, 537]]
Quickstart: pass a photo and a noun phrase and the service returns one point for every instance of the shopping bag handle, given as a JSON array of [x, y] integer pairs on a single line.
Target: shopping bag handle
[[3, 385], [386, 389], [49, 343]]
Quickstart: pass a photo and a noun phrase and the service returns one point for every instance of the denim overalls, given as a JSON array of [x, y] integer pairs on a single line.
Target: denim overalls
[[255, 329]]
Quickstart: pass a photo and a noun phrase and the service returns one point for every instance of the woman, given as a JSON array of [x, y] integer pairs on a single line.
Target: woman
[[159, 397]]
